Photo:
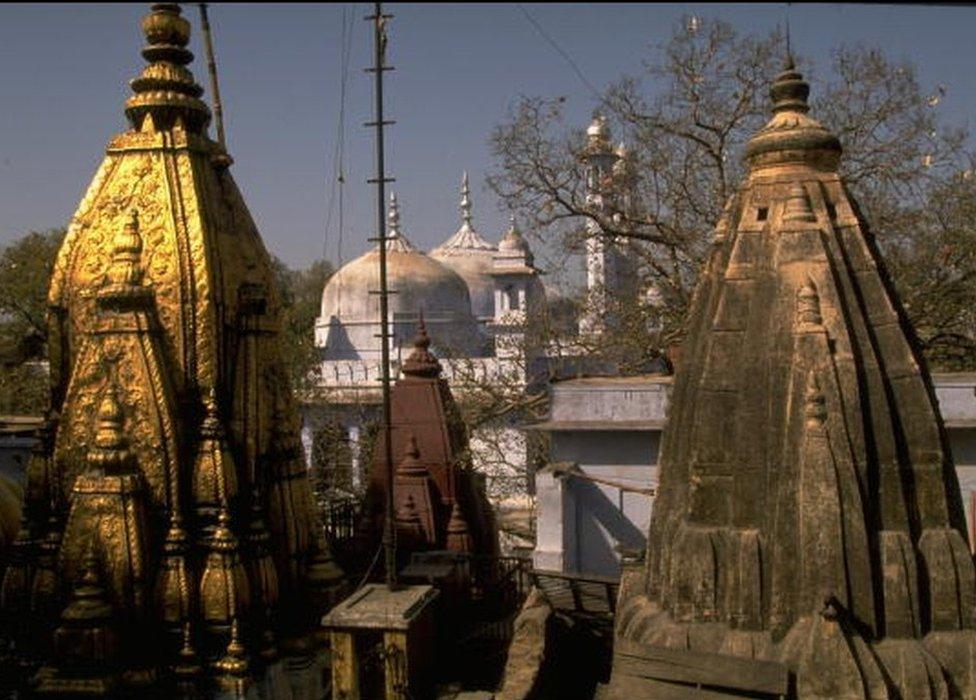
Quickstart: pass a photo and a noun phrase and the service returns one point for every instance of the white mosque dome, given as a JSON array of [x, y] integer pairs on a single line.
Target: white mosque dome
[[350, 311], [469, 255]]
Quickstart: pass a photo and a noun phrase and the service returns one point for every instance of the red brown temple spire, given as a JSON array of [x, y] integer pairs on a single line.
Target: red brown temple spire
[[434, 469], [421, 362], [458, 535]]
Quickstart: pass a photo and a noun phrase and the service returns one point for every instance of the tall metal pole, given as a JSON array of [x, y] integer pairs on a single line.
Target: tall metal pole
[[212, 68], [379, 58]]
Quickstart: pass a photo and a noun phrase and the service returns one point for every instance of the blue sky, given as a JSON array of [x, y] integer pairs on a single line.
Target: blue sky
[[64, 72]]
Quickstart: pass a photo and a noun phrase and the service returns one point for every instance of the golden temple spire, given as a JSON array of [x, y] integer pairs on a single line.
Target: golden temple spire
[[141, 349], [166, 90]]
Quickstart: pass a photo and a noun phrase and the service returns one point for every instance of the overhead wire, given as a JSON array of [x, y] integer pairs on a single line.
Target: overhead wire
[[558, 49], [338, 179]]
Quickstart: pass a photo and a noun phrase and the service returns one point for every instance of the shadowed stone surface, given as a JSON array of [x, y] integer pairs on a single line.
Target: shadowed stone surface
[[807, 511]]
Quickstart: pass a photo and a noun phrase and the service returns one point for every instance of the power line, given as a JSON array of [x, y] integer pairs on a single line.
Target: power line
[[338, 179], [569, 59]]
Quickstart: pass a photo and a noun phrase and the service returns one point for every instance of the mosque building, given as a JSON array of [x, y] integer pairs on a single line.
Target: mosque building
[[477, 299]]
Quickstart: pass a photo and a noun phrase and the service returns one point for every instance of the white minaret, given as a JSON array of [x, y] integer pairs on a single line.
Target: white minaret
[[518, 291], [602, 256]]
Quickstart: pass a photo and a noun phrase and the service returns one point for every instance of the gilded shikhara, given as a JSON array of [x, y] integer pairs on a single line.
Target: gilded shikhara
[[171, 474]]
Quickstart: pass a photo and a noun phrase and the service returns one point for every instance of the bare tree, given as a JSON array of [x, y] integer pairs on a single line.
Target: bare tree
[[686, 119]]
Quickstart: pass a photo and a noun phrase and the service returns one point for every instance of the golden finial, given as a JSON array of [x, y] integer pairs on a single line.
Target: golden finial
[[123, 285], [110, 454], [187, 667], [234, 661], [126, 266], [166, 91]]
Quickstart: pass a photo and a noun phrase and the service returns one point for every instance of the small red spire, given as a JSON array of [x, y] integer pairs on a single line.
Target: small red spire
[[411, 465], [458, 534], [421, 362]]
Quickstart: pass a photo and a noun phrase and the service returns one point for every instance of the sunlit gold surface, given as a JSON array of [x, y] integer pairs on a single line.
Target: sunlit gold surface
[[175, 454]]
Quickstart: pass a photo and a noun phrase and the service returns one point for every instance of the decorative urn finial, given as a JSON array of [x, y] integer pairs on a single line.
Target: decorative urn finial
[[110, 454], [166, 90], [792, 136]]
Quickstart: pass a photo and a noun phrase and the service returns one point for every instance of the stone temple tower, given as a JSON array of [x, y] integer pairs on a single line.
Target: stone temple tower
[[808, 518], [169, 495]]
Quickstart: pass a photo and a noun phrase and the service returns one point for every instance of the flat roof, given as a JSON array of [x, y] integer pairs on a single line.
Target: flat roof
[[599, 381], [615, 425]]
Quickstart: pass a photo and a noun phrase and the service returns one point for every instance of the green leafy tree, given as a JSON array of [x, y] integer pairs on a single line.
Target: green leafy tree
[[301, 295], [25, 272]]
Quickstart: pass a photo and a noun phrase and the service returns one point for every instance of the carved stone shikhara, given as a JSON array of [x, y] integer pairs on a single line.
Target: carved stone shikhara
[[170, 477], [807, 513]]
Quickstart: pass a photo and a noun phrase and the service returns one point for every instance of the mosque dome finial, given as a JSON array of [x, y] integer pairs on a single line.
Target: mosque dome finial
[[465, 205], [514, 242], [469, 254], [599, 140], [393, 217], [395, 240]]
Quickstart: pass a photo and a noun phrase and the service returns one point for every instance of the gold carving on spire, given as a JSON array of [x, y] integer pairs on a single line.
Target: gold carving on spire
[[215, 476], [110, 454], [224, 592]]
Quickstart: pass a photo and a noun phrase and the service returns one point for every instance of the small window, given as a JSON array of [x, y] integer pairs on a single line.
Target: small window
[[762, 213], [831, 210]]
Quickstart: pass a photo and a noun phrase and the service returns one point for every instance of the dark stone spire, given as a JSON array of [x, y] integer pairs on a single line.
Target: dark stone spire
[[792, 135], [807, 515]]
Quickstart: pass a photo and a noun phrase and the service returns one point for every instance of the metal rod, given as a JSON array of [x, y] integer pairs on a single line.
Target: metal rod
[[380, 180], [212, 68]]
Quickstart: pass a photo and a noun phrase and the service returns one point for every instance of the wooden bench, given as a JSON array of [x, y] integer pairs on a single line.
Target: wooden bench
[[641, 670]]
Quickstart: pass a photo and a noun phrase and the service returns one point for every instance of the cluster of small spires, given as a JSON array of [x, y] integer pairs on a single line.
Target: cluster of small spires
[[466, 238]]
